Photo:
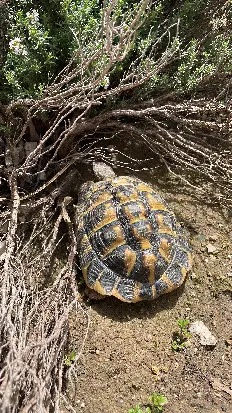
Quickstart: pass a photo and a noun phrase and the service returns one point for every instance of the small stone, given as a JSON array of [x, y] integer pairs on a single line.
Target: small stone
[[156, 371], [206, 337], [97, 352], [211, 249], [219, 386], [229, 274], [82, 405]]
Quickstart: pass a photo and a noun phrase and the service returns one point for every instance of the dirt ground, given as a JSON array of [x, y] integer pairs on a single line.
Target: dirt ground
[[127, 354]]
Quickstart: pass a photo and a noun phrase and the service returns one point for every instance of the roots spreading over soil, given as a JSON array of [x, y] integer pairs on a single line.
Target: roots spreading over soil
[[34, 314]]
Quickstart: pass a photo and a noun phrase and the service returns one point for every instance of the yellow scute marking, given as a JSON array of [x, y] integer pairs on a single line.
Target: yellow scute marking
[[149, 261], [154, 204], [135, 297], [124, 198], [164, 229], [154, 292], [165, 250], [170, 285], [98, 287], [145, 244], [130, 259], [137, 289], [84, 272], [184, 273], [145, 188]]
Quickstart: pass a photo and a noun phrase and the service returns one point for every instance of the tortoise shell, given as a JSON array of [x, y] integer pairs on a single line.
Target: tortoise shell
[[129, 242]]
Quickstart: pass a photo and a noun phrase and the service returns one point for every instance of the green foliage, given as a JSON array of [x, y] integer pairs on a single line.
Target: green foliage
[[157, 402], [197, 64], [83, 21], [43, 36], [180, 338], [69, 358], [29, 54], [190, 12], [203, 53]]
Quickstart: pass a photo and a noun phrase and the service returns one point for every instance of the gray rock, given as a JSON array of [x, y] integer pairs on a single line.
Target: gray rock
[[206, 337]]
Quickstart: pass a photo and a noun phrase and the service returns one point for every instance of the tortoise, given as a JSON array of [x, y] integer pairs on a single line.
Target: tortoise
[[130, 244]]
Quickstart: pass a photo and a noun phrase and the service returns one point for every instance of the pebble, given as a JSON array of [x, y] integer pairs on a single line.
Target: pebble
[[211, 249], [206, 337]]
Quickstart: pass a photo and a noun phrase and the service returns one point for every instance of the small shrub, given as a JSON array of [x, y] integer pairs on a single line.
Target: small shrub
[[180, 338], [69, 358], [29, 59], [157, 402], [42, 39]]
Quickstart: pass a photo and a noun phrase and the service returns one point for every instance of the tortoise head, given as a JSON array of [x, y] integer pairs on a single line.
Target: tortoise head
[[102, 171]]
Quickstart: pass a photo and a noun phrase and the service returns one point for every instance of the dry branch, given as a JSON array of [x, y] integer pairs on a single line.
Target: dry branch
[[34, 320]]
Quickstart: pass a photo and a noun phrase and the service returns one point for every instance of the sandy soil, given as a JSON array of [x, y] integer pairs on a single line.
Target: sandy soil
[[128, 355]]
